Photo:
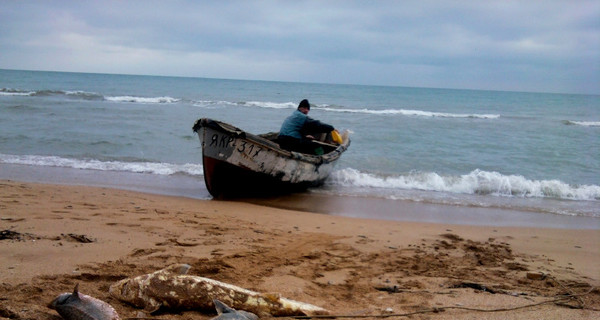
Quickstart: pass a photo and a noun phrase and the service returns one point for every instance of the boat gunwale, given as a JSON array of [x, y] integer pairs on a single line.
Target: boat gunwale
[[226, 128]]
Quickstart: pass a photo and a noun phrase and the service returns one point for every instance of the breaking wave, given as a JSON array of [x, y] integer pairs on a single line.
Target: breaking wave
[[14, 92], [148, 100], [271, 105], [159, 168], [251, 104], [583, 123], [476, 182], [403, 112], [419, 113], [78, 94], [328, 108], [43, 93], [47, 93]]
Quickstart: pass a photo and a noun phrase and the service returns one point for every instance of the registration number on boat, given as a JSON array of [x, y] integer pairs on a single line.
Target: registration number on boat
[[224, 142]]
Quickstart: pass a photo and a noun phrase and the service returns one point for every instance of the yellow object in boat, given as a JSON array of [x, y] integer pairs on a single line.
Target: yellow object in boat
[[335, 135]]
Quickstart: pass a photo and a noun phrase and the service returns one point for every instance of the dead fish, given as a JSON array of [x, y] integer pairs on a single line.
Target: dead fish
[[172, 288], [78, 306], [227, 313]]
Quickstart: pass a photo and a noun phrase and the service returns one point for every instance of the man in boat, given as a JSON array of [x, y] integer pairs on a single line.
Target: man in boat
[[297, 130]]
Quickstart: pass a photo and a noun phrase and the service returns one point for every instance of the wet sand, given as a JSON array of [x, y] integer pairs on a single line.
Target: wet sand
[[412, 211], [55, 236]]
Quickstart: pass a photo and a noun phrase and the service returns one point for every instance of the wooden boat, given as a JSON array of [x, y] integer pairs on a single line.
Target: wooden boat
[[240, 164]]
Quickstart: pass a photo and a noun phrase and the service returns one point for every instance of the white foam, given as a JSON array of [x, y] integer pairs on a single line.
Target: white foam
[[584, 123], [92, 164], [250, 104], [416, 113], [212, 104], [271, 105], [84, 94], [292, 105], [14, 92], [134, 99], [263, 104], [76, 93], [475, 182]]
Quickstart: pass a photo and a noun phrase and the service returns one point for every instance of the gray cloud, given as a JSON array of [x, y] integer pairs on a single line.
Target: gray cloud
[[500, 45]]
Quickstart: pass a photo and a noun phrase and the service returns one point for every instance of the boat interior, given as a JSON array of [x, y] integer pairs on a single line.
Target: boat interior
[[324, 141]]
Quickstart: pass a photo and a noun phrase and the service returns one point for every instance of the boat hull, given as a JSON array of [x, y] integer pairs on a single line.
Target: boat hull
[[239, 164]]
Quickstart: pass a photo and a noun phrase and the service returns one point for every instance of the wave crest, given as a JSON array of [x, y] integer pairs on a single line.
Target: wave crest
[[250, 104], [15, 92], [44, 93], [475, 182], [159, 168], [341, 109], [133, 99], [418, 113], [582, 123]]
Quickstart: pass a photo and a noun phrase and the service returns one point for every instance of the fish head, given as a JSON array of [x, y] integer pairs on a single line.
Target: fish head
[[79, 306], [129, 291], [62, 299], [65, 298]]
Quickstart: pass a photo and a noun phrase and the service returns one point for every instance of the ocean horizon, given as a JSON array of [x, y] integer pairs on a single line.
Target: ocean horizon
[[298, 82]]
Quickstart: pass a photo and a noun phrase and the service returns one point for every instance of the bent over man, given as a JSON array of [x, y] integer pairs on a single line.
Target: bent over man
[[297, 130]]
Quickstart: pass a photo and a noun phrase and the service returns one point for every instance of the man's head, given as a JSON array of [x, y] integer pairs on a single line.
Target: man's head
[[304, 106]]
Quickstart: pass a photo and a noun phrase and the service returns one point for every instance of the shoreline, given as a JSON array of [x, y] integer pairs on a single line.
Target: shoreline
[[346, 206], [95, 236], [412, 211]]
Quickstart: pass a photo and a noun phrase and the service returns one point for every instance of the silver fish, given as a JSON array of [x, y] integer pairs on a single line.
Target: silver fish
[[78, 306], [227, 313], [172, 288]]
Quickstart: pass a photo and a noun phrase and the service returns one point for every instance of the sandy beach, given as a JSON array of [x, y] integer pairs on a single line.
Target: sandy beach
[[55, 236]]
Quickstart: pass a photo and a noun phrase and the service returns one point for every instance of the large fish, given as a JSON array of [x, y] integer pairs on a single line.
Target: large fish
[[78, 306], [173, 288]]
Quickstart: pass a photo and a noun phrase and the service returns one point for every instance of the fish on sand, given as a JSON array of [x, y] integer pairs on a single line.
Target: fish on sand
[[173, 288], [78, 306]]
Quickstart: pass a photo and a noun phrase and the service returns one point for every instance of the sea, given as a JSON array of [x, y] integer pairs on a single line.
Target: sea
[[513, 151]]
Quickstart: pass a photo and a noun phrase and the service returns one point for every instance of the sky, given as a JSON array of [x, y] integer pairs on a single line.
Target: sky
[[538, 46]]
